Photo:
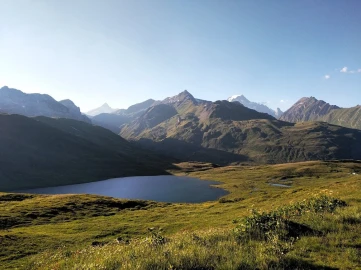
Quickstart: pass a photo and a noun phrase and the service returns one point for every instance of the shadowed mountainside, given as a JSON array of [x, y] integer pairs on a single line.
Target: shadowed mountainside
[[38, 152]]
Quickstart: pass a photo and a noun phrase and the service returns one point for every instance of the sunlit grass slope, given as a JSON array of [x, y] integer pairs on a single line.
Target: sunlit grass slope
[[92, 232]]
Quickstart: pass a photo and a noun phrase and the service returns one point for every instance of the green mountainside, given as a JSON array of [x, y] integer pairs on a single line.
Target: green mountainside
[[346, 117], [37, 152], [311, 109], [223, 132], [307, 109]]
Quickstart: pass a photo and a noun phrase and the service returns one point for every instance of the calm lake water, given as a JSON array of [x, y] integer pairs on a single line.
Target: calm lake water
[[156, 188]]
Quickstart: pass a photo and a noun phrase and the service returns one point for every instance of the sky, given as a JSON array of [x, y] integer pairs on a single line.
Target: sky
[[125, 51]]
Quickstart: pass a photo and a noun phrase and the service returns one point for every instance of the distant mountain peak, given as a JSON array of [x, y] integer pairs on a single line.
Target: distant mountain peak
[[105, 108], [237, 98], [185, 92], [105, 105], [181, 97], [254, 105]]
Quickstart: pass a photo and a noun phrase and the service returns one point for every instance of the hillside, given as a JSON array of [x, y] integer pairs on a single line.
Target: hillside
[[13, 101], [319, 226], [223, 132], [346, 117], [311, 109], [42, 151]]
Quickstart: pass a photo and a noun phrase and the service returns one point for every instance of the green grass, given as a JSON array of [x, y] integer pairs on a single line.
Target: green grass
[[75, 231], [224, 249]]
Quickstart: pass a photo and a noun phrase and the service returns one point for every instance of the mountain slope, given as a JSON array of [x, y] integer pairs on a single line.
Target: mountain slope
[[307, 109], [113, 121], [105, 108], [13, 101], [311, 109], [38, 152], [346, 117], [235, 133], [255, 106]]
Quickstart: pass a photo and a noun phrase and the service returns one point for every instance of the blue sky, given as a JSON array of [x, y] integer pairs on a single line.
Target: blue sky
[[123, 52]]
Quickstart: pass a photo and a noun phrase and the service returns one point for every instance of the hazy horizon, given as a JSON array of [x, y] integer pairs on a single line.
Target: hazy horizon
[[124, 52]]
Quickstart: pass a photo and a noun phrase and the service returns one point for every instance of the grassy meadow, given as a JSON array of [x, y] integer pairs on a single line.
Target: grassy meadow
[[315, 223]]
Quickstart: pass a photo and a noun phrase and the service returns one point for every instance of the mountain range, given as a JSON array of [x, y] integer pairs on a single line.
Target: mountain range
[[56, 144], [115, 119], [223, 132], [13, 101]]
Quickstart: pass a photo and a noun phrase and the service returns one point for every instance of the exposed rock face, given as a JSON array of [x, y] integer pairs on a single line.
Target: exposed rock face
[[278, 113], [13, 101], [307, 109], [74, 110]]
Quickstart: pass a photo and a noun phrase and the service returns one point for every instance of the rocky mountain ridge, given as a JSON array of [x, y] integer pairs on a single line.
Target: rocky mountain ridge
[[13, 101], [224, 132]]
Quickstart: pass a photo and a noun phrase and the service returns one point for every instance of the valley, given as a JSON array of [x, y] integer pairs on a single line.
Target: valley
[[180, 135]]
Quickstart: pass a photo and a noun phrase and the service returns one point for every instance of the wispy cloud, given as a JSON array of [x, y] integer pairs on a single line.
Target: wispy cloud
[[327, 76], [344, 70]]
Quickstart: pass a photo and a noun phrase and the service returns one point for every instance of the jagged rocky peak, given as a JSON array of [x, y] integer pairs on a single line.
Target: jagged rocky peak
[[14, 101], [181, 97], [238, 98], [279, 112]]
